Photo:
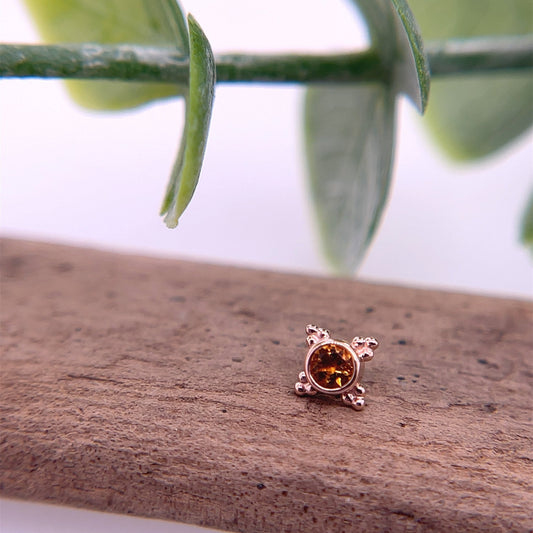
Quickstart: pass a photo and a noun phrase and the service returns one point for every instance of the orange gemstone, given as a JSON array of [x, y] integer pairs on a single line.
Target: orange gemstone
[[331, 366]]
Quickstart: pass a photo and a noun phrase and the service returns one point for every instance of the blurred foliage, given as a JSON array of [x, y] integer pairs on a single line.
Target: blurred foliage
[[350, 143], [148, 22], [473, 116], [349, 129], [527, 224]]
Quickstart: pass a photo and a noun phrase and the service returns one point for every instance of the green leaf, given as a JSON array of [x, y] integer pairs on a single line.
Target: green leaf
[[349, 140], [186, 171], [473, 116], [149, 22], [394, 32], [526, 235], [350, 135]]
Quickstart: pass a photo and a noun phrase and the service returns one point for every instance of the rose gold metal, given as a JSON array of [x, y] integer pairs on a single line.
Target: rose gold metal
[[361, 350]]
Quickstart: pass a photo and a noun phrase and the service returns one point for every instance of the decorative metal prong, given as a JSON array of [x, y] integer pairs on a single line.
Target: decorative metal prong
[[358, 342], [348, 398], [372, 343], [357, 402], [364, 347], [299, 388], [315, 334], [367, 355], [304, 389], [359, 390]]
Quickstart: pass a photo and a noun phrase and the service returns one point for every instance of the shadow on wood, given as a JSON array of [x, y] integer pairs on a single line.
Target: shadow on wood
[[165, 389]]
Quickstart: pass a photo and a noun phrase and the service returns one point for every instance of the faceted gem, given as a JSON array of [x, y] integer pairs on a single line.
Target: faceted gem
[[331, 366]]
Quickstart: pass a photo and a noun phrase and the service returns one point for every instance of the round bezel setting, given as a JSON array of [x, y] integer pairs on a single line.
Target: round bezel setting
[[338, 359]]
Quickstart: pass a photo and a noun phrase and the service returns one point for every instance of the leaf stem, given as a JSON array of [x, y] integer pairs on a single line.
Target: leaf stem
[[141, 63]]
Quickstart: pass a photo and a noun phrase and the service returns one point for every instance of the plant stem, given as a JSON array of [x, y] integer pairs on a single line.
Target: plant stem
[[480, 55], [141, 63]]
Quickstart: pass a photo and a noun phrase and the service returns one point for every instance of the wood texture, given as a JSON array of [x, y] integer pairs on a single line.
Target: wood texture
[[165, 389]]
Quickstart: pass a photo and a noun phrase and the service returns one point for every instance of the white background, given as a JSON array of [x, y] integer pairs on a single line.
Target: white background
[[95, 179]]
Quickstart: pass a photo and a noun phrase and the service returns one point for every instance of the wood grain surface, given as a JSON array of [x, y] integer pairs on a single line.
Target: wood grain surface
[[164, 388]]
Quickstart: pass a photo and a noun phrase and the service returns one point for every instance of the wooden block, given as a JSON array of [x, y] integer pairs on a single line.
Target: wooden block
[[164, 388]]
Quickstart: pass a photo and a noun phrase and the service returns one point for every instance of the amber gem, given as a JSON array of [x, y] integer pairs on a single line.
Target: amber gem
[[331, 366]]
